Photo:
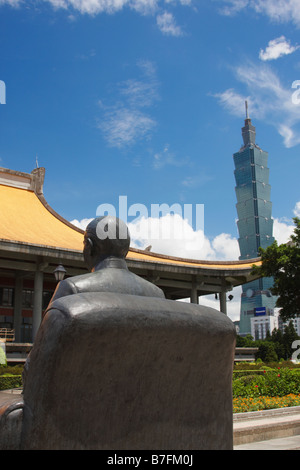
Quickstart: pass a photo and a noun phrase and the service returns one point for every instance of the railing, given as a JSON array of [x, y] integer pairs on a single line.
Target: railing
[[7, 335]]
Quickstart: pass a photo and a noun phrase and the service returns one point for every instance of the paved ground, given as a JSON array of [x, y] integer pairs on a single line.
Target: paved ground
[[277, 429], [283, 443], [7, 395]]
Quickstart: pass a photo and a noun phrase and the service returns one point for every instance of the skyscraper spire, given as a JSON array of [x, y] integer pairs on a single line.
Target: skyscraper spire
[[248, 131], [246, 106]]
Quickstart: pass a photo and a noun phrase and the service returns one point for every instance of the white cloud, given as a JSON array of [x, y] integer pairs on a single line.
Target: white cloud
[[167, 157], [165, 20], [279, 11], [226, 247], [143, 91], [182, 2], [268, 99], [95, 7], [232, 101], [126, 122], [167, 24], [297, 209], [12, 3], [81, 223], [172, 235], [277, 48], [232, 6], [282, 230], [125, 126]]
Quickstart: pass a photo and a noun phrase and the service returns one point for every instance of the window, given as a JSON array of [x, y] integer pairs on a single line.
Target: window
[[6, 296], [46, 299], [27, 298]]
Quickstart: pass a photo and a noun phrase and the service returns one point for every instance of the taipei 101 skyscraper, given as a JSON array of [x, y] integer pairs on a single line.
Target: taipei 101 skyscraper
[[255, 223]]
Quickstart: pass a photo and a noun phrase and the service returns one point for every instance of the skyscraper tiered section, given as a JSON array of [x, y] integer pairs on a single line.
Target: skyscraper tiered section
[[255, 223]]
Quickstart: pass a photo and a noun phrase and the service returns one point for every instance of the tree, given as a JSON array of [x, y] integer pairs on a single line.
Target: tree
[[282, 262], [244, 341], [289, 336], [266, 352]]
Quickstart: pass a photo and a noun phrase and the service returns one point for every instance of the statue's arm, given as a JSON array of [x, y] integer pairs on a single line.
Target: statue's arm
[[11, 420]]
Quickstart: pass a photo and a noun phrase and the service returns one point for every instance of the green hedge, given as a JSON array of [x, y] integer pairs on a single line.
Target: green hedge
[[10, 381], [272, 383]]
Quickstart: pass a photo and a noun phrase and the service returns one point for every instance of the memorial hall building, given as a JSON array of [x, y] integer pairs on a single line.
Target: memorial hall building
[[37, 245]]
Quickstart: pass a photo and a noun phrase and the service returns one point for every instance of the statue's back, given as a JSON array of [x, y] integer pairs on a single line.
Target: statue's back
[[115, 371]]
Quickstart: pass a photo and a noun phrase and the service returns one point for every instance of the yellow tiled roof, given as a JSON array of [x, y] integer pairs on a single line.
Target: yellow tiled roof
[[26, 218]]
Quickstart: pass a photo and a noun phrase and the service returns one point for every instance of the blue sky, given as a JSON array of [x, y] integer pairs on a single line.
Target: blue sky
[[145, 98]]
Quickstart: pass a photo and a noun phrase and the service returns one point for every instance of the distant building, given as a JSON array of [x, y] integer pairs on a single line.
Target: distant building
[[295, 322], [262, 324], [255, 224]]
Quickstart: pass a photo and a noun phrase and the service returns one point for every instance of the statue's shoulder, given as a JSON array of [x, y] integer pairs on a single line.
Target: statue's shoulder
[[145, 288]]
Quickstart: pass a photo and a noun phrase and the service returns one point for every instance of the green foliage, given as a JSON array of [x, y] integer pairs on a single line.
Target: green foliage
[[10, 376], [3, 361], [283, 264], [272, 383], [275, 347], [9, 381], [267, 352], [244, 341], [11, 370]]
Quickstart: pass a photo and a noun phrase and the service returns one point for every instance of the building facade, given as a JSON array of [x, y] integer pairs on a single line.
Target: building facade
[[261, 325], [255, 224]]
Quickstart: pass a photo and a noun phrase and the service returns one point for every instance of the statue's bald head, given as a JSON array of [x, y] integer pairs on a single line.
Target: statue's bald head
[[105, 236]]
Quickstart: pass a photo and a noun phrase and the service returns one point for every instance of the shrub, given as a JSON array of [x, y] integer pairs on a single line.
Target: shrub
[[273, 382], [13, 370], [10, 381], [249, 386]]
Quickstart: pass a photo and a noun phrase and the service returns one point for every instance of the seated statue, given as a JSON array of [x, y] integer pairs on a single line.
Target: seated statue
[[116, 366]]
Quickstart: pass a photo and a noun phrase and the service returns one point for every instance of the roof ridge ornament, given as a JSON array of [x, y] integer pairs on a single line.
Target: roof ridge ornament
[[38, 176]]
